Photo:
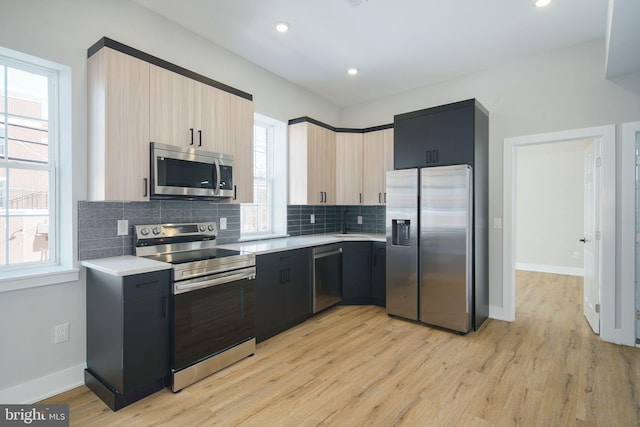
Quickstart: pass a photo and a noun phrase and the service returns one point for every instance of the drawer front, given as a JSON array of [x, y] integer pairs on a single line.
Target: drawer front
[[145, 284], [283, 258]]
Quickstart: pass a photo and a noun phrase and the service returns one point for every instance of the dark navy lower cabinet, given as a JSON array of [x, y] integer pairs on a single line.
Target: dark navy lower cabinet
[[283, 291], [379, 274], [128, 335], [356, 273]]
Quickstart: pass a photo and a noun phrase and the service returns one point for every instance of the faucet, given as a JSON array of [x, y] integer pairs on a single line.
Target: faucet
[[345, 227]]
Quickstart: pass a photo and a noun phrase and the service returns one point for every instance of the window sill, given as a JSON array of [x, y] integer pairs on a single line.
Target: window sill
[[25, 279], [261, 237]]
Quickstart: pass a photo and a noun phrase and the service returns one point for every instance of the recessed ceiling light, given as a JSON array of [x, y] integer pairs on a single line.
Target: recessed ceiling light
[[352, 71], [541, 3], [282, 27]]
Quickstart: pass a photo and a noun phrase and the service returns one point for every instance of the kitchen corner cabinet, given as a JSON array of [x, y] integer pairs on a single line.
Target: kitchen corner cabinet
[[349, 174], [437, 136], [283, 291], [128, 334], [377, 155], [356, 273], [118, 134], [312, 164]]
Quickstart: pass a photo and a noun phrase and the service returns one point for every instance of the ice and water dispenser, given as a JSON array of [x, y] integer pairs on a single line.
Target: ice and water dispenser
[[401, 232]]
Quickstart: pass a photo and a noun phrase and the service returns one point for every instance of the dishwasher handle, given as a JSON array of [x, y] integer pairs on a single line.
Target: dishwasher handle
[[326, 254], [325, 251]]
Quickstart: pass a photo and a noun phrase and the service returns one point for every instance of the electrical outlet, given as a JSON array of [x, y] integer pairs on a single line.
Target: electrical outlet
[[61, 333], [223, 223], [359, 219], [123, 227], [312, 219], [497, 223], [576, 255]]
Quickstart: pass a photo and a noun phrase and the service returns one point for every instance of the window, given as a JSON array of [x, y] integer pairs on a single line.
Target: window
[[266, 217], [28, 132]]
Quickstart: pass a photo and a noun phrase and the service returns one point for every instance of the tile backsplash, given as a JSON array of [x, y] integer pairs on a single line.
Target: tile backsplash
[[97, 221], [329, 219]]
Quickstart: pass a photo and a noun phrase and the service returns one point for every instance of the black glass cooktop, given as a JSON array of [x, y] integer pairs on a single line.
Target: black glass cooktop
[[191, 256]]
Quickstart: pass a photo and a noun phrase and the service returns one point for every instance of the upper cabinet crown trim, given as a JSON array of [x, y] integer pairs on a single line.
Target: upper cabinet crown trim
[[460, 104], [110, 43], [334, 129]]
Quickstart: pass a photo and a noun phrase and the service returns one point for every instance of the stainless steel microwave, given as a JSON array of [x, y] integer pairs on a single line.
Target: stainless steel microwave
[[180, 172]]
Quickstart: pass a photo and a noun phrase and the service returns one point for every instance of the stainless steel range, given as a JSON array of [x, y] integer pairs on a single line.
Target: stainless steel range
[[213, 304]]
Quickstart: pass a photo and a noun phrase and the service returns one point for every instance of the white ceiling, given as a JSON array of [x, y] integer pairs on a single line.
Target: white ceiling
[[398, 45]]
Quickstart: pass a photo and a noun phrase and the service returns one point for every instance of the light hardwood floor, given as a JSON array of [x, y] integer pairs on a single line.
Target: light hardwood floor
[[355, 366]]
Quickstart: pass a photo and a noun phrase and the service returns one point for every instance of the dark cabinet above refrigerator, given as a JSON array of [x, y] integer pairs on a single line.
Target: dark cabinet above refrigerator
[[440, 136]]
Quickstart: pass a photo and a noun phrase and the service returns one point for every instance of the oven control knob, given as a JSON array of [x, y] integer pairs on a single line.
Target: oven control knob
[[202, 228], [144, 231], [210, 227], [156, 230]]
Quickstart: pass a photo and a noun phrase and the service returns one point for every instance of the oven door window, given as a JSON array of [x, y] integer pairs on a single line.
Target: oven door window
[[209, 320], [185, 174]]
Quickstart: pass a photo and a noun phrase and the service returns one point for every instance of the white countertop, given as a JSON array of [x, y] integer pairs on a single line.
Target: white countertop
[[125, 265], [287, 243]]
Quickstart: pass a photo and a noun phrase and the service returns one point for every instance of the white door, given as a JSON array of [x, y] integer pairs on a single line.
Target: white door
[[591, 236]]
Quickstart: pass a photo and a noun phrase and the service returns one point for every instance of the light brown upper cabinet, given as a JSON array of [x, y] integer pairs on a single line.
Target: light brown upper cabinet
[[377, 156], [349, 172], [312, 164], [182, 110], [118, 111], [233, 135], [135, 99]]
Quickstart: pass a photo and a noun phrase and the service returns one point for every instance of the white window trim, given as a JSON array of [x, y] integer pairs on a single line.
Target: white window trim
[[279, 177], [65, 269]]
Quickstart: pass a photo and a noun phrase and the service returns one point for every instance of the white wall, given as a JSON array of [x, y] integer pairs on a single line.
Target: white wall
[[549, 205], [61, 31], [556, 91]]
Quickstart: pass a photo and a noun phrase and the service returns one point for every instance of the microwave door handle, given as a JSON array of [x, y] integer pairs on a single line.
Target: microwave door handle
[[217, 166]]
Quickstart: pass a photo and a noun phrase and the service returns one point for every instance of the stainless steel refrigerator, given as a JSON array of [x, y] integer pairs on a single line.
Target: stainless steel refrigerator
[[430, 247]]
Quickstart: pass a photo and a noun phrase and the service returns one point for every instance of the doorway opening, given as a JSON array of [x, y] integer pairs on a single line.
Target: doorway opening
[[605, 239]]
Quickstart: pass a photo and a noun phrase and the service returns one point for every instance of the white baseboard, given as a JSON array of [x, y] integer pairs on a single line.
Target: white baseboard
[[554, 269], [44, 387]]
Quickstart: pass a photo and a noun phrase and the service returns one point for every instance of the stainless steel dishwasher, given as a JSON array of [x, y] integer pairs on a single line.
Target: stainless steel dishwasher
[[327, 276]]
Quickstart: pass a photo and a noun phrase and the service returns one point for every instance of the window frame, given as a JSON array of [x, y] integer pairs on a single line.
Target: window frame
[[275, 180], [60, 267]]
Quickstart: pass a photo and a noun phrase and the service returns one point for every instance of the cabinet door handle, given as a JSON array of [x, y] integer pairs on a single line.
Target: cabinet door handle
[[145, 182], [379, 197], [288, 275], [360, 198], [321, 196], [282, 277], [325, 197], [235, 192], [199, 138], [385, 198], [436, 156], [428, 160], [191, 130], [142, 285]]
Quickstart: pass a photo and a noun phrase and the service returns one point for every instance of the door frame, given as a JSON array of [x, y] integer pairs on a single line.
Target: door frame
[[628, 231], [607, 134]]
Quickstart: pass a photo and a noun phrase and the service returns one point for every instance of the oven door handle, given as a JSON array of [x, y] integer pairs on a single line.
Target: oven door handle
[[219, 280]]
